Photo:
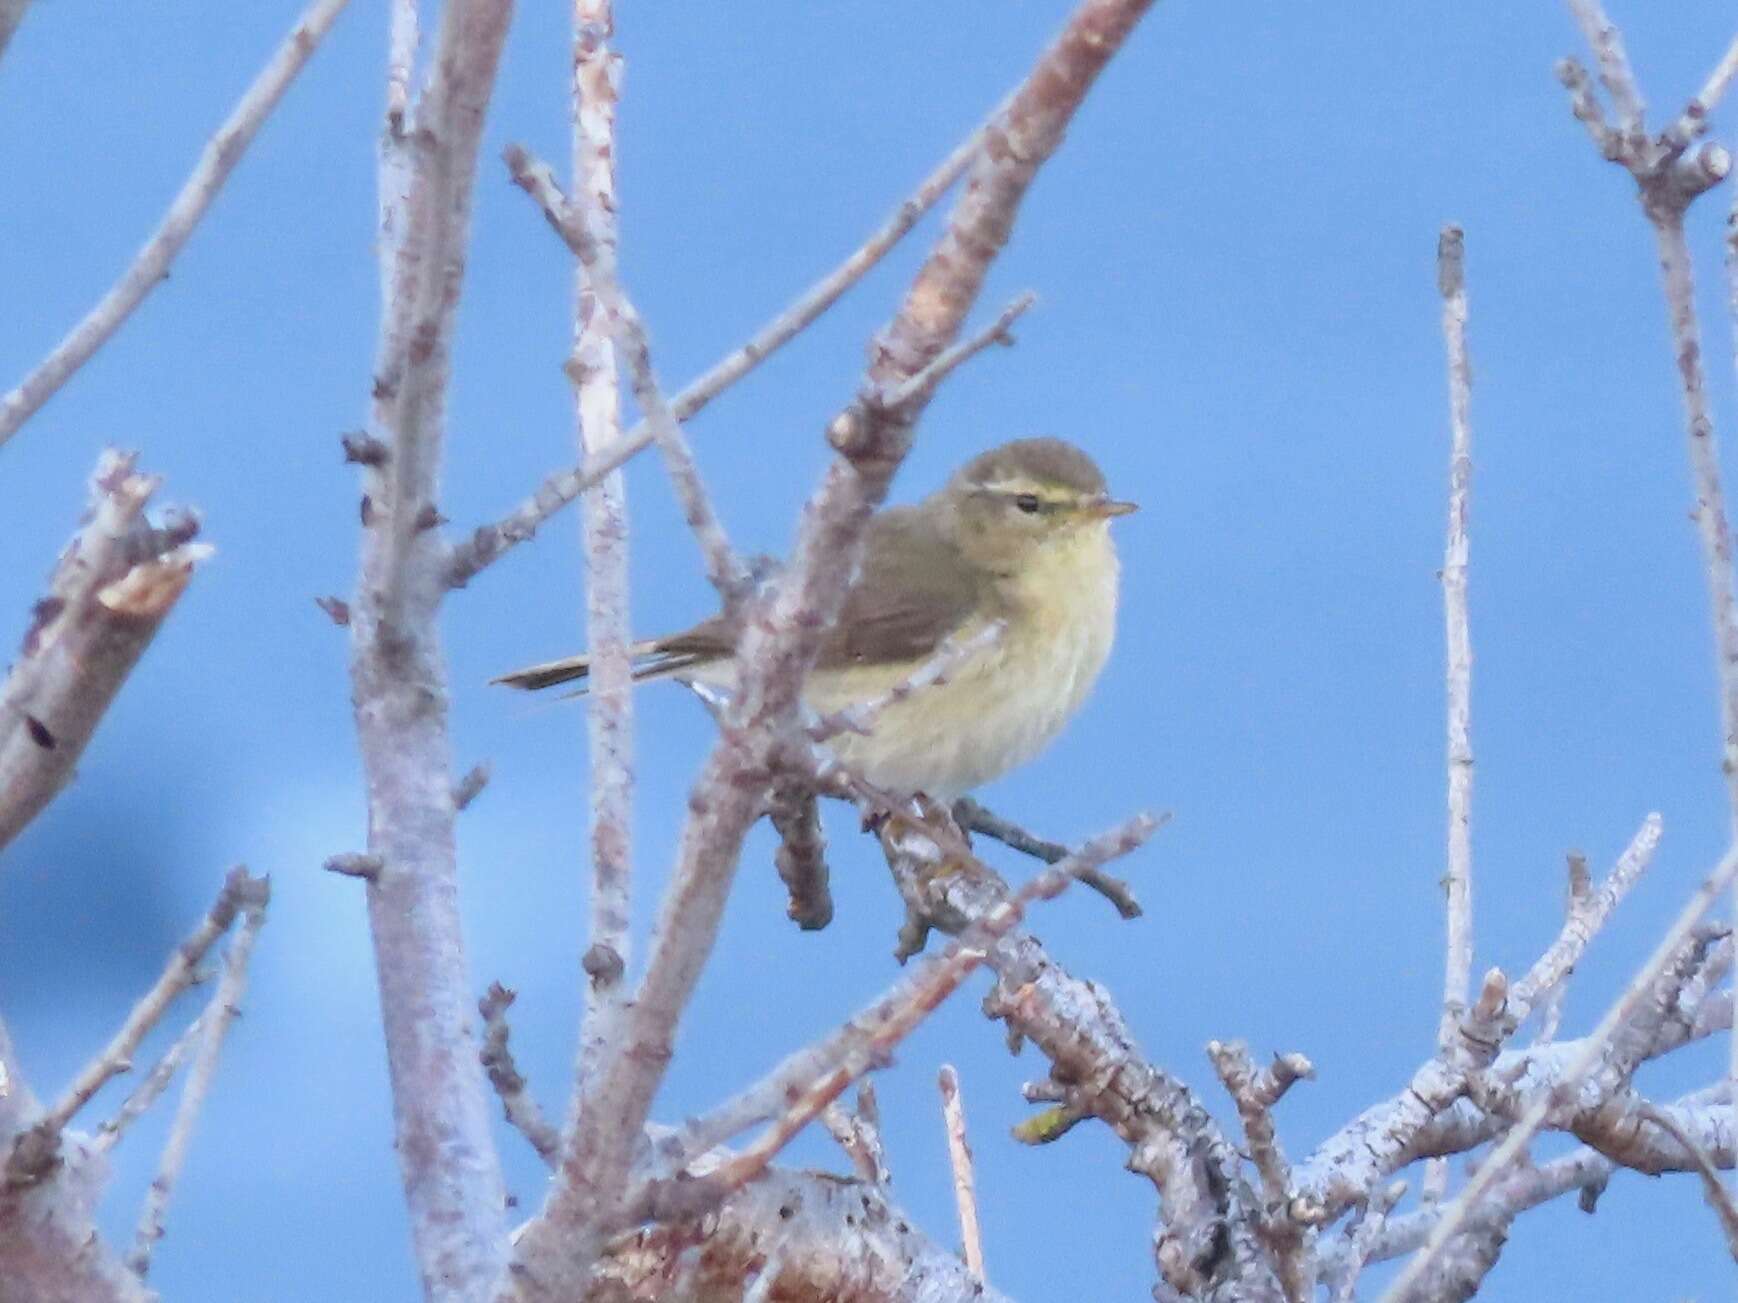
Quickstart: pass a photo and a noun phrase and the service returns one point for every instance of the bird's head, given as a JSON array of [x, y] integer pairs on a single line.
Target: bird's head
[[1024, 497]]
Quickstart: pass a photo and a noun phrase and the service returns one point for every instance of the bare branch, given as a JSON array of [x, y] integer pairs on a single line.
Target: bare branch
[[517, 1101], [150, 265], [225, 1004], [959, 1154], [1457, 882], [114, 585], [491, 541], [454, 1191], [1589, 1053], [32, 1161]]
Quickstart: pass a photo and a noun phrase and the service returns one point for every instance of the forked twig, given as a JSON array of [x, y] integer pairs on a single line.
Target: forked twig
[[214, 1023]]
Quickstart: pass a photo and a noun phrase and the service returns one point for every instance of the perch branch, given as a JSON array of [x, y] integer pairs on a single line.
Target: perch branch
[[799, 1087], [150, 265], [794, 1093], [114, 585]]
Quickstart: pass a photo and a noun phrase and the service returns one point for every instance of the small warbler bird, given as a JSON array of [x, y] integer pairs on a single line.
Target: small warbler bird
[[1020, 535]]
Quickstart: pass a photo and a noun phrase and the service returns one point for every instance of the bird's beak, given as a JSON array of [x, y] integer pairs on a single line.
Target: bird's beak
[[1105, 508]]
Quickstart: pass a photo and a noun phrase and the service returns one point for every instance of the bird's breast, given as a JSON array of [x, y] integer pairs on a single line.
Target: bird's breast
[[1006, 703]]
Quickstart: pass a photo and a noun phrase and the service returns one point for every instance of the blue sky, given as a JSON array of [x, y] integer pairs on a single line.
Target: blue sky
[[1235, 258]]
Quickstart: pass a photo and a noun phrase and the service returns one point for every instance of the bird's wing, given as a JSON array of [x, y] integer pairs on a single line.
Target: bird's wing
[[911, 594]]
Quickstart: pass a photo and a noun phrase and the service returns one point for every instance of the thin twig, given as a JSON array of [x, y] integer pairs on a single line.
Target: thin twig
[[959, 1156], [1593, 1047], [150, 265], [517, 1101], [150, 1088], [1550, 1003], [587, 227], [1457, 882], [219, 1014], [922, 385], [491, 541], [115, 584]]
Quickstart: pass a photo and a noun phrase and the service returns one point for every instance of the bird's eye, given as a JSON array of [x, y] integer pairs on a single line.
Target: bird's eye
[[1028, 503]]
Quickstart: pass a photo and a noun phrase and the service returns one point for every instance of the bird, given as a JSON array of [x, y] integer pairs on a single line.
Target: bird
[[1018, 537]]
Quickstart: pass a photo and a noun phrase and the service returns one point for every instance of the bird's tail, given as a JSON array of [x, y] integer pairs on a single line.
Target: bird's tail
[[656, 658]]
